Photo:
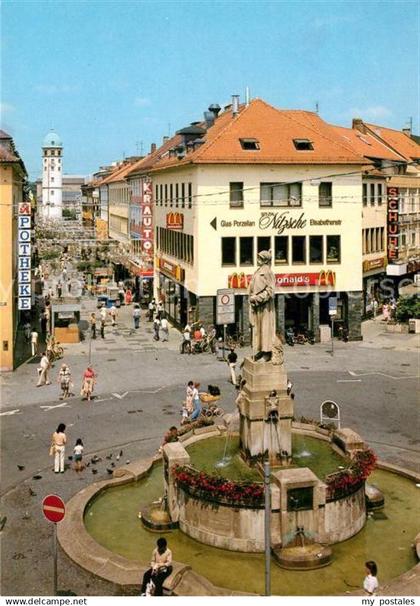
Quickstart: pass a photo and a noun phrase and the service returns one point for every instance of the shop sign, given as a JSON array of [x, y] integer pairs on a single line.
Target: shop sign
[[281, 221], [24, 256], [170, 269], [392, 223], [175, 220], [325, 277], [374, 264], [147, 219]]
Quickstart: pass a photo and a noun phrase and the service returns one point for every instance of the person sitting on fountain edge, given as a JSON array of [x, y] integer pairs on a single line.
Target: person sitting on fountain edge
[[160, 568]]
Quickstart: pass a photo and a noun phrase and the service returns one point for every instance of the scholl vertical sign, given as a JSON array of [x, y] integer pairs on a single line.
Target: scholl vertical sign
[[24, 256], [392, 223]]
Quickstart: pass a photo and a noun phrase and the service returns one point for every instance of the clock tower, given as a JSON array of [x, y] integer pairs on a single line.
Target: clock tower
[[52, 171]]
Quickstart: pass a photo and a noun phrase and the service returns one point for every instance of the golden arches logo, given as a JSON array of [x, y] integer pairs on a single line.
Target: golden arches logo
[[174, 220], [326, 277]]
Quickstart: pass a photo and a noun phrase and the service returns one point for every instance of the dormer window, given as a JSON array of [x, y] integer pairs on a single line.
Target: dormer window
[[303, 144], [250, 144]]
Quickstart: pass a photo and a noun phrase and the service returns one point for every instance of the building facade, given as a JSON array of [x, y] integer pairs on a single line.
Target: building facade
[[15, 267], [260, 179], [52, 174]]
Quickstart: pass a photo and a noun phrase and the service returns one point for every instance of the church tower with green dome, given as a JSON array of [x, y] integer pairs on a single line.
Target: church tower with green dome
[[52, 176]]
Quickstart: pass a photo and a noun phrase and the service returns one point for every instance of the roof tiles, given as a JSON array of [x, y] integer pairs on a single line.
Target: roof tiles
[[399, 141]]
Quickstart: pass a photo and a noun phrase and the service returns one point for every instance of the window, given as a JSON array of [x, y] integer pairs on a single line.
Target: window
[[380, 193], [372, 194], [303, 144], [315, 249], [365, 195], [228, 251], [367, 241], [171, 195], [157, 195], [281, 249], [183, 195], [246, 251], [274, 194], [333, 249], [166, 195], [189, 195], [176, 194], [325, 194], [58, 168], [52, 192], [403, 238], [263, 243], [413, 238], [52, 179], [250, 144], [382, 238], [236, 194], [298, 249]]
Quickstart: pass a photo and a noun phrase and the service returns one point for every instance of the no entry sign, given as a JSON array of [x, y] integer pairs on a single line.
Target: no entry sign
[[225, 306], [53, 508]]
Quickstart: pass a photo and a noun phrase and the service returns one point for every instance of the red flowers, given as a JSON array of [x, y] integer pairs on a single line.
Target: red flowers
[[346, 481], [215, 488]]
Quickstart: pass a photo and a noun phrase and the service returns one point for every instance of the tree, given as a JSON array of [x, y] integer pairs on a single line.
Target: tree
[[407, 308]]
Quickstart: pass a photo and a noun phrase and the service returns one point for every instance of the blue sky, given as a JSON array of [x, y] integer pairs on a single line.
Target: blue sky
[[111, 77]]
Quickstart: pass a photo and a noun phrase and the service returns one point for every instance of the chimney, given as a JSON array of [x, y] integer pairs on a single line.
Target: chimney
[[165, 139], [407, 131], [235, 105], [153, 148], [358, 125]]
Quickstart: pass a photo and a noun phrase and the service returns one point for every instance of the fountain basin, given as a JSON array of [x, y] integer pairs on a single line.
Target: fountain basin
[[306, 557]]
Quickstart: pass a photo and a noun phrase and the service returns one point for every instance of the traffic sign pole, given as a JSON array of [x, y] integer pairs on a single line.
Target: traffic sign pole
[[55, 558], [224, 341], [54, 510]]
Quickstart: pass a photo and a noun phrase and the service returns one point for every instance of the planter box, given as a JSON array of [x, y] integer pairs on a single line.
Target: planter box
[[398, 328]]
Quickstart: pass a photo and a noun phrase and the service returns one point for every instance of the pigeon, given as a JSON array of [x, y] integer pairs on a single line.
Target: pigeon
[[118, 457], [87, 464], [109, 457], [113, 464], [21, 467], [121, 453], [127, 462], [70, 458], [31, 492], [94, 471], [110, 471], [37, 477], [26, 516]]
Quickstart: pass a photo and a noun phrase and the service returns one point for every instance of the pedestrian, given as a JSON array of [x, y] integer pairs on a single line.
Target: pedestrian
[[370, 583], [186, 343], [27, 331], [34, 342], [78, 455], [50, 292], [64, 378], [58, 447], [69, 286], [164, 324], [232, 359], [151, 309], [136, 315], [171, 435], [160, 569], [88, 382], [220, 350], [102, 328], [43, 320], [128, 296], [375, 308], [102, 314], [196, 402], [92, 322], [44, 365], [121, 295], [113, 314], [59, 290], [156, 327], [385, 312], [189, 397]]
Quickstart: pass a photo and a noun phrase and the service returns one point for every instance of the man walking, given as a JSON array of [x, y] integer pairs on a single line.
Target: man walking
[[113, 314], [232, 359], [102, 314], [34, 342], [43, 371], [156, 327], [164, 324], [59, 290], [151, 308], [92, 322], [136, 315]]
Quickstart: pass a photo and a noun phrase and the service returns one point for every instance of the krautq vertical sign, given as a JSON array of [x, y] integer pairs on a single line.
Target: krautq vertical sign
[[147, 219], [393, 226], [24, 256]]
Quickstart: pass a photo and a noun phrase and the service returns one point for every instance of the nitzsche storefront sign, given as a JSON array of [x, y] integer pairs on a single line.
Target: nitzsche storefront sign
[[281, 221], [392, 223], [24, 256], [325, 277]]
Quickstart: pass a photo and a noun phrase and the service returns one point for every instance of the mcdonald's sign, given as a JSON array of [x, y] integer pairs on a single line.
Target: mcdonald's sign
[[393, 223], [326, 277], [175, 220]]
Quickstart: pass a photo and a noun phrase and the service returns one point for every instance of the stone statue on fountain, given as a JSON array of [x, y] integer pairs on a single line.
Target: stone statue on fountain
[[261, 308]]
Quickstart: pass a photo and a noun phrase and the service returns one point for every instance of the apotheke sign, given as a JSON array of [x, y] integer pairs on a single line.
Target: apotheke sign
[[24, 256]]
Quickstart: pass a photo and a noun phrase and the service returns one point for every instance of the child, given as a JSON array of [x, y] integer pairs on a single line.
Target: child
[[370, 584], [185, 414], [78, 455]]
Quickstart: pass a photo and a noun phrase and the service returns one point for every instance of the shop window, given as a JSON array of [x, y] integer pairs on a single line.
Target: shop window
[[246, 251], [236, 194], [365, 195], [189, 195], [380, 193], [281, 245], [372, 194], [183, 195], [413, 238], [325, 194], [176, 194], [403, 239], [298, 249], [333, 249], [315, 249], [228, 251], [263, 243]]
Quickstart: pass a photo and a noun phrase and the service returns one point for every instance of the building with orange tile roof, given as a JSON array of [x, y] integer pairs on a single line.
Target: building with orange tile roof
[[251, 178]]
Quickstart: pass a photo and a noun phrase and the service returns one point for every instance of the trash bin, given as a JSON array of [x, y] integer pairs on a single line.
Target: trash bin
[[324, 333], [414, 326]]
